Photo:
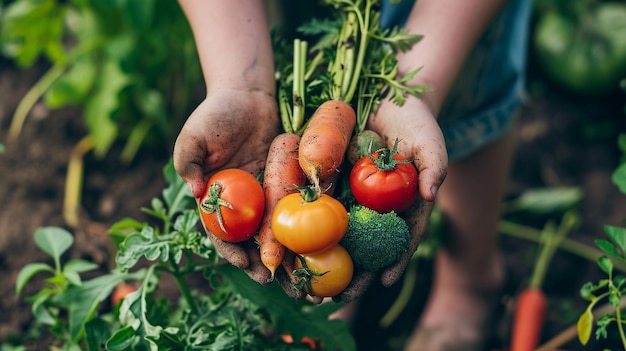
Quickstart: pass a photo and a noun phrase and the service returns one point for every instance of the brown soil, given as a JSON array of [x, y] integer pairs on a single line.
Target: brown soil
[[563, 140]]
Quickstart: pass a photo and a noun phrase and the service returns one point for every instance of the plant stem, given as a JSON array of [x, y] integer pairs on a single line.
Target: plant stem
[[135, 139], [364, 26], [408, 285], [300, 48], [553, 238], [74, 181], [182, 285], [285, 111], [527, 233], [620, 327], [571, 332], [313, 65], [31, 97]]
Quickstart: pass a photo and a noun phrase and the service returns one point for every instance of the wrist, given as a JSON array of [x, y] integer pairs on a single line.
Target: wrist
[[426, 102], [229, 84]]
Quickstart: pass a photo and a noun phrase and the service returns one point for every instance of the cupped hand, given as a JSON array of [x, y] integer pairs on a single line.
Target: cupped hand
[[419, 138], [229, 129]]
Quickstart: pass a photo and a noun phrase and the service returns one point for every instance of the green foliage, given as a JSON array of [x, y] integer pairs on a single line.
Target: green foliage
[[375, 240], [231, 313], [129, 65], [613, 287]]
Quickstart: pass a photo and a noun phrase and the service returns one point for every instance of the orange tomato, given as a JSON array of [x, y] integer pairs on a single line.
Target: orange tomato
[[329, 271], [307, 227]]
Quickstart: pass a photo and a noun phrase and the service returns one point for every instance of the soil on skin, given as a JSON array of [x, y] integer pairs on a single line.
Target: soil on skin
[[562, 140]]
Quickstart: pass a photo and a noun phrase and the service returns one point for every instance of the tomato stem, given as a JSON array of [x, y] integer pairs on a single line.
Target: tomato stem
[[385, 158], [310, 193], [214, 202], [304, 275]]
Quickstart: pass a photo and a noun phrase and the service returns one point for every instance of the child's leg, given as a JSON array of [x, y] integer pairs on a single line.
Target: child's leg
[[468, 271]]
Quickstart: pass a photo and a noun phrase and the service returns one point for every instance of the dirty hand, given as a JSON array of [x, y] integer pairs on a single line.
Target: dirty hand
[[420, 138], [229, 129]]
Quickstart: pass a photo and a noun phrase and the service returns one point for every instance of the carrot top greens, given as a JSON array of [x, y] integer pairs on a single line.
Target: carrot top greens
[[352, 59]]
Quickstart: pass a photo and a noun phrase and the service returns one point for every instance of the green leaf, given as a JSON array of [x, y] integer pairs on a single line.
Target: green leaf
[[146, 244], [606, 265], [74, 85], [584, 326], [608, 248], [122, 339], [40, 312], [120, 230], [621, 139], [79, 266], [31, 29], [27, 272], [72, 277], [297, 318], [602, 323], [103, 104], [619, 177], [614, 299], [53, 240], [187, 223], [543, 201], [82, 301], [617, 235], [177, 195], [139, 13], [97, 332]]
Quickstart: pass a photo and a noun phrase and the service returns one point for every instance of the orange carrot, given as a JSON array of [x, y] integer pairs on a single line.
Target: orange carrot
[[282, 176], [531, 305], [530, 310], [325, 139]]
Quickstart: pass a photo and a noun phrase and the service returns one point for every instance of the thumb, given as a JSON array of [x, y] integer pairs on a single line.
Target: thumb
[[191, 172], [430, 179]]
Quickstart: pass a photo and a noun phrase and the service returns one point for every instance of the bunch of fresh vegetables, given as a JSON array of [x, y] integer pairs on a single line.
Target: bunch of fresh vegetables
[[308, 184]]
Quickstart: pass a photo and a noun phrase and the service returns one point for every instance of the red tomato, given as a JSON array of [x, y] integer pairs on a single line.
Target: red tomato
[[384, 182], [288, 339], [233, 205], [329, 271], [309, 226], [122, 290]]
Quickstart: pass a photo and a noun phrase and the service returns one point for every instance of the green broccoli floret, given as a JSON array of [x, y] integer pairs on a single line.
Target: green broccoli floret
[[375, 240]]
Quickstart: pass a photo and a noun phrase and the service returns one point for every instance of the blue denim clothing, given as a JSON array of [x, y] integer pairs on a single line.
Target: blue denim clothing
[[482, 104]]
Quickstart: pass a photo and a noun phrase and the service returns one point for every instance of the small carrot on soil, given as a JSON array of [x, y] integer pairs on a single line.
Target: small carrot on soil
[[325, 140], [282, 176]]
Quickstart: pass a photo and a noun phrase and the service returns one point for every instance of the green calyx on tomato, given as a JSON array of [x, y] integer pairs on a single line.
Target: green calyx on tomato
[[581, 45], [213, 203], [326, 273], [384, 181], [304, 275], [385, 159]]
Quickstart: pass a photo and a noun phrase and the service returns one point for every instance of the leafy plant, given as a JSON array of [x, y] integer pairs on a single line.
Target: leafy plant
[[228, 312], [613, 287], [130, 66]]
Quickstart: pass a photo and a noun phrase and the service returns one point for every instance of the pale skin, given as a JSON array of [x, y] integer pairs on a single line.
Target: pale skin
[[235, 124]]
